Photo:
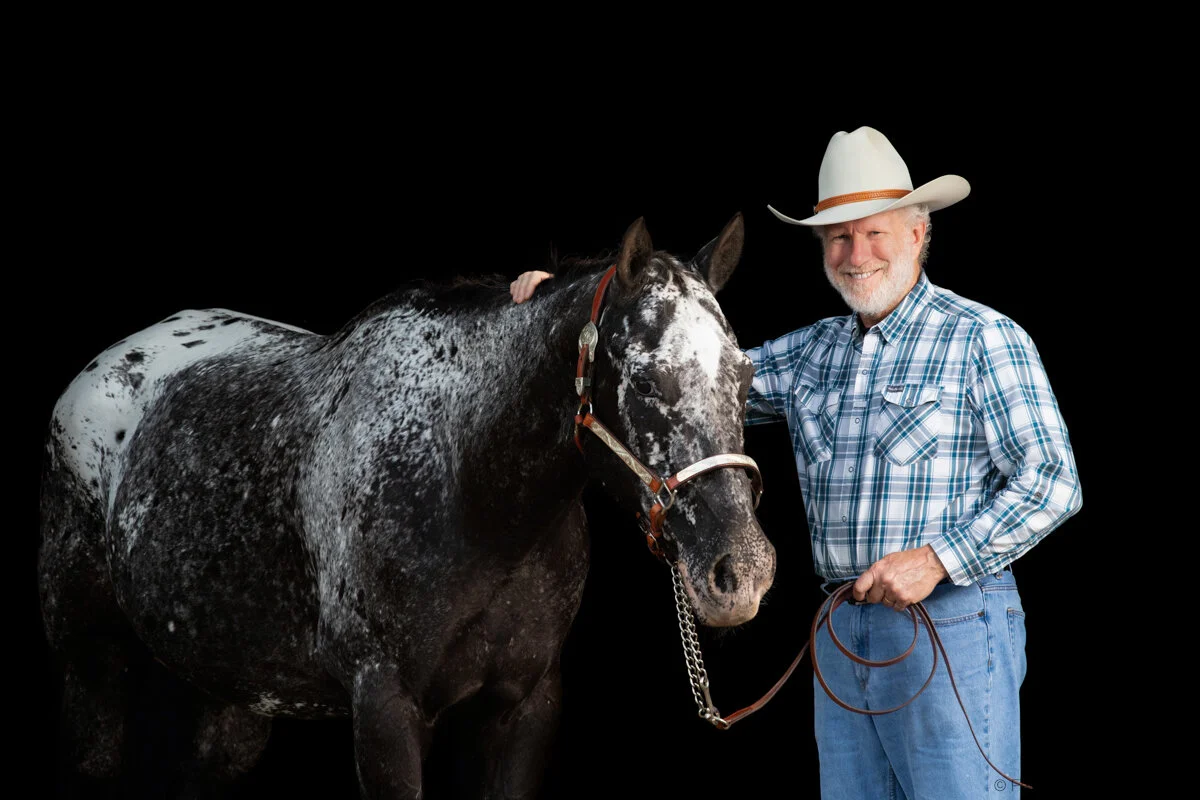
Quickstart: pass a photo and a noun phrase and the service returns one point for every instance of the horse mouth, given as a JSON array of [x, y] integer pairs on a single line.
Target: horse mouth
[[726, 617]]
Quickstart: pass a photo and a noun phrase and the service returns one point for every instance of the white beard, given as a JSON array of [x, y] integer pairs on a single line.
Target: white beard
[[889, 288]]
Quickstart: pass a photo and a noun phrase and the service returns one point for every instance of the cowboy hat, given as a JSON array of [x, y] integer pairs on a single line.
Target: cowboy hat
[[862, 175]]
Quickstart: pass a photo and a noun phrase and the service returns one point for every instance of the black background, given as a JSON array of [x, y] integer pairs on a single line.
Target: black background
[[302, 193]]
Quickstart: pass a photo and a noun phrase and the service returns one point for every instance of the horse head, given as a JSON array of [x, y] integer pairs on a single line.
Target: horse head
[[671, 384]]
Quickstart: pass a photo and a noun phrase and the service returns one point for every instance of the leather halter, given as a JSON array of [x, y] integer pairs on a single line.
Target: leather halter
[[662, 488]]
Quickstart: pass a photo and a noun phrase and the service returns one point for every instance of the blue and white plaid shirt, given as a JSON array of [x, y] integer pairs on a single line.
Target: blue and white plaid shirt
[[937, 426]]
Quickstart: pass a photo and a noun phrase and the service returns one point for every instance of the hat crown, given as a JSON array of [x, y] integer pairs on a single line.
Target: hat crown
[[861, 161]]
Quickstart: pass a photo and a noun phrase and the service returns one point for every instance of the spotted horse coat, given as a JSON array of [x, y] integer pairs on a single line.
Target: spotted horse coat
[[385, 522]]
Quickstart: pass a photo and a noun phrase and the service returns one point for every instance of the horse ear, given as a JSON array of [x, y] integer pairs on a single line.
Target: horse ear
[[717, 259], [636, 249]]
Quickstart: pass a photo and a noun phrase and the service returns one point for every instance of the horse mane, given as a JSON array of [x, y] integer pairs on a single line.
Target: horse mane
[[465, 288], [477, 291]]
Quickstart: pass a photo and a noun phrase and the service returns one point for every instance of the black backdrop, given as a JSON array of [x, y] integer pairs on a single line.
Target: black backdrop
[[303, 199]]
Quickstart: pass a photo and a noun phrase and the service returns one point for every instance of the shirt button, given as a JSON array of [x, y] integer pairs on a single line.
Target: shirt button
[[849, 469], [856, 420], [843, 518], [864, 372]]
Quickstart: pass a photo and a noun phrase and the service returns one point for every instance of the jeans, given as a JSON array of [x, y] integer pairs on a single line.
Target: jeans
[[924, 750]]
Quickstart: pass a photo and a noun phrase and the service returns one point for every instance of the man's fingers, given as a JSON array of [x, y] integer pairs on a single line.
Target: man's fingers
[[522, 288], [876, 594], [862, 585]]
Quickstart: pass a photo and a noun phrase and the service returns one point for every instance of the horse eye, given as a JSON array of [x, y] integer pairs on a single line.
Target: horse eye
[[644, 387]]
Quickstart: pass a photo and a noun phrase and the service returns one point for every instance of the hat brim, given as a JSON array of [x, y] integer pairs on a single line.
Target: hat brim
[[938, 193]]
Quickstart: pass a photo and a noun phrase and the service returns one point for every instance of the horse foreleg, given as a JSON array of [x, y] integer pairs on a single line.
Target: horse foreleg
[[516, 745], [390, 738]]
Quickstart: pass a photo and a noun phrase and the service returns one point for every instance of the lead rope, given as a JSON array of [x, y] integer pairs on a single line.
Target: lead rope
[[698, 676]]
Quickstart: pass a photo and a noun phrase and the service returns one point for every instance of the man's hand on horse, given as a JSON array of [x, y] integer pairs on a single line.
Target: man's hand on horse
[[900, 579], [522, 288]]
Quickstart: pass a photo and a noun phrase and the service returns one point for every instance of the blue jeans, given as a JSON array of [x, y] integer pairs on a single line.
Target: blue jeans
[[924, 750]]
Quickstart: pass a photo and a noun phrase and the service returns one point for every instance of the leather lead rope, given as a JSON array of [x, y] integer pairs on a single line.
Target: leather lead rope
[[825, 615]]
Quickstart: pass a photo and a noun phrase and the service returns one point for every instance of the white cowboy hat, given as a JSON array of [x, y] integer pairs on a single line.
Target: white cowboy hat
[[862, 174]]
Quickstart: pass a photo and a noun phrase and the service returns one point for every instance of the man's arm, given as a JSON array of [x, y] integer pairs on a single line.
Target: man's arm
[[1028, 443], [770, 389]]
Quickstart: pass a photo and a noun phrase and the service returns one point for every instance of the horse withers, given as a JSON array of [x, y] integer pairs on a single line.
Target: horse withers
[[386, 522]]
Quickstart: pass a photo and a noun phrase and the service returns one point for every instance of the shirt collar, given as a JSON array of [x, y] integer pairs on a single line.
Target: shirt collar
[[894, 324]]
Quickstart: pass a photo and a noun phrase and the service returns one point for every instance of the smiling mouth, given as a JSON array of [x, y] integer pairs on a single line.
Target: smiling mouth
[[861, 276]]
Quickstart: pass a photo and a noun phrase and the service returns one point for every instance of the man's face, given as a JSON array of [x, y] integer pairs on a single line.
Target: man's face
[[872, 262]]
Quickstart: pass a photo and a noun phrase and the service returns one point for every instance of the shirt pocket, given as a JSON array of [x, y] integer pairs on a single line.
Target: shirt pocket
[[909, 420], [816, 423]]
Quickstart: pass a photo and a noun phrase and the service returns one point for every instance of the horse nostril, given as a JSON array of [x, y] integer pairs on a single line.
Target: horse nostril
[[724, 576]]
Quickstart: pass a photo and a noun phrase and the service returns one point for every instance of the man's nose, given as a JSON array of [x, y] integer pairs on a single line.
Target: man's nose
[[860, 250]]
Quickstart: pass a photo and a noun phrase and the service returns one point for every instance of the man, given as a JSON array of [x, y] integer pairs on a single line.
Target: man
[[931, 455]]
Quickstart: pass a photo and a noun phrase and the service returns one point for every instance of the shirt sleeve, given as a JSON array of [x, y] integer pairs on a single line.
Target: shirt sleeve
[[1028, 443], [774, 369]]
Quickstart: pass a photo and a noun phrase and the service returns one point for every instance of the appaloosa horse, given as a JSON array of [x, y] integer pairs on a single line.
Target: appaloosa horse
[[387, 522]]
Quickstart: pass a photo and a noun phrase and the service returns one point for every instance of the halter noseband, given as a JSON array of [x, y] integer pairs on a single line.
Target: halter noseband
[[662, 488]]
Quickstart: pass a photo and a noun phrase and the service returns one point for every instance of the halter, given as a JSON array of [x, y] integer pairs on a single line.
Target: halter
[[662, 488]]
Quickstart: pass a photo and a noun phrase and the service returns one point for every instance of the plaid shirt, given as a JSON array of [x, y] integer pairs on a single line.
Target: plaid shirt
[[937, 426]]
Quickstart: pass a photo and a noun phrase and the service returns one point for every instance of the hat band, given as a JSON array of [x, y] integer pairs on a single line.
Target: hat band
[[858, 197]]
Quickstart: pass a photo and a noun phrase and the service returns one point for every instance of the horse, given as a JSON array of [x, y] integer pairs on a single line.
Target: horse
[[386, 522]]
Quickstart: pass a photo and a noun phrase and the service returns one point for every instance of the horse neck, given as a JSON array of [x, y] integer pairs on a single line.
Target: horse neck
[[533, 472], [532, 353], [509, 375]]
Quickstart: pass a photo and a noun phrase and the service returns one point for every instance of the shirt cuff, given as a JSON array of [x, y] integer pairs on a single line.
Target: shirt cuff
[[944, 548]]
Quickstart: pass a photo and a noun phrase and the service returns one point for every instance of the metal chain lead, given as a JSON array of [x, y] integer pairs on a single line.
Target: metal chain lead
[[691, 653]]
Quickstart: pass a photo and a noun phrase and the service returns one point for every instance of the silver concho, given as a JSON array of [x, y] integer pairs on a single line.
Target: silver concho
[[589, 336]]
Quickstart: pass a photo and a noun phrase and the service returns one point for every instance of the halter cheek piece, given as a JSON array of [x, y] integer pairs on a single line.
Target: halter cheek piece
[[662, 488]]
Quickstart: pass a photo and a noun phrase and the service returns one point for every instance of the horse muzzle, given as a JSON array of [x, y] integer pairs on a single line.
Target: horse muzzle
[[726, 590]]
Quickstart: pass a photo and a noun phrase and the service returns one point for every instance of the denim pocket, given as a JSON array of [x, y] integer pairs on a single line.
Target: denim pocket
[[910, 417], [1016, 639], [952, 605]]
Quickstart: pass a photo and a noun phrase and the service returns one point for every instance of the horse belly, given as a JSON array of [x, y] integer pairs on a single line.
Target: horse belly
[[231, 608]]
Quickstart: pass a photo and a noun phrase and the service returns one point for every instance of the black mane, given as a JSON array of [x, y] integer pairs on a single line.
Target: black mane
[[468, 288], [478, 291]]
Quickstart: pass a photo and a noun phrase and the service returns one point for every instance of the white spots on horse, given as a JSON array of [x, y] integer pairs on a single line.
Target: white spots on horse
[[431, 398], [691, 377], [694, 351], [98, 414], [130, 516], [267, 705]]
